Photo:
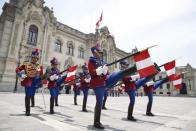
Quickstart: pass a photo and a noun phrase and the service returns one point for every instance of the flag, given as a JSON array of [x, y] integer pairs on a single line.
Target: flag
[[144, 64], [100, 19], [71, 74], [170, 69], [177, 81]]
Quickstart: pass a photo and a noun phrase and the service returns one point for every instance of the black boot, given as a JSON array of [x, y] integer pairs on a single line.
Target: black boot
[[130, 113], [27, 105], [56, 101], [103, 106], [52, 105], [84, 105], [75, 100], [97, 116], [148, 110], [32, 101], [129, 71]]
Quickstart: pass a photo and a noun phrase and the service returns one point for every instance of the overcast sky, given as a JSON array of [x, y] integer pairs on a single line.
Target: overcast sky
[[169, 23]]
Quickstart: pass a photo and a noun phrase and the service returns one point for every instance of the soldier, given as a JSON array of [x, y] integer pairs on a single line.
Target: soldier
[[85, 85], [76, 89], [100, 80], [55, 80], [149, 87], [131, 84], [31, 74]]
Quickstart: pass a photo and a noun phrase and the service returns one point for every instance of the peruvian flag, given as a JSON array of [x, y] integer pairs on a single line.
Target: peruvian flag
[[99, 21], [177, 81], [144, 64], [71, 74], [170, 69]]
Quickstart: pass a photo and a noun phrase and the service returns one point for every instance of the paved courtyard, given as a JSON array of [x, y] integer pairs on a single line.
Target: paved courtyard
[[172, 114]]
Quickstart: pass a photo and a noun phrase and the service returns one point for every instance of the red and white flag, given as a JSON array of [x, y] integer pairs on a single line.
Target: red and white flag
[[144, 64], [71, 74], [177, 81], [170, 69], [98, 22]]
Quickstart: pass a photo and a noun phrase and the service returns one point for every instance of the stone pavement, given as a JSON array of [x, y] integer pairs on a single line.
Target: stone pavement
[[172, 114]]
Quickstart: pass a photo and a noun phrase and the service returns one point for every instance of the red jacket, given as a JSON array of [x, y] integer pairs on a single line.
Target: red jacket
[[84, 84], [148, 89], [96, 80], [128, 83], [27, 82]]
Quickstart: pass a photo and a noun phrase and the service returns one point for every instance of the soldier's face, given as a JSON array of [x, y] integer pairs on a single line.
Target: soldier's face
[[54, 65], [34, 59], [98, 54]]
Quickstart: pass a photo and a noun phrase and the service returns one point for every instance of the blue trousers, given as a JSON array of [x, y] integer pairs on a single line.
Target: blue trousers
[[141, 82], [131, 93], [85, 92], [29, 91], [113, 79], [157, 84], [99, 92], [150, 97], [105, 95], [54, 92]]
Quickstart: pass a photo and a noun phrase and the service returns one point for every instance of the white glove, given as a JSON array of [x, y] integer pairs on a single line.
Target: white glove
[[135, 77], [52, 77], [150, 83], [105, 69], [87, 80], [23, 76], [77, 84], [56, 77], [99, 71], [123, 85]]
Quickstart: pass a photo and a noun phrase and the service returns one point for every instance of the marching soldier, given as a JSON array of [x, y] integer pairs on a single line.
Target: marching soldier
[[55, 80], [100, 80], [31, 74], [149, 87], [76, 89], [85, 85]]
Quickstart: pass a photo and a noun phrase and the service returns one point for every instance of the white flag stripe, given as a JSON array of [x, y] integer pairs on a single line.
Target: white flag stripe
[[171, 72], [150, 83], [134, 77], [178, 81], [71, 73], [144, 63]]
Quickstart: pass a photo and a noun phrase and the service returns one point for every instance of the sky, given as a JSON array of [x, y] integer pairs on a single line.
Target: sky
[[137, 23]]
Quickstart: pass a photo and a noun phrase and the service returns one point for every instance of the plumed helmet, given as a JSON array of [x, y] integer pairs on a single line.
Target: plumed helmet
[[96, 48], [35, 53], [54, 61]]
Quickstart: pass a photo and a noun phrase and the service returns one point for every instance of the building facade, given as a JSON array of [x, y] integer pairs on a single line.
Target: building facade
[[28, 24]]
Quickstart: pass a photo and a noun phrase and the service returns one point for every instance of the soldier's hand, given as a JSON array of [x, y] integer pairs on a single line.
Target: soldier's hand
[[99, 71], [23, 76], [105, 69]]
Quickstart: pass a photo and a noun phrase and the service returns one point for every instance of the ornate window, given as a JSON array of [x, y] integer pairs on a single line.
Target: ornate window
[[104, 55], [81, 52], [70, 48], [58, 46], [33, 34]]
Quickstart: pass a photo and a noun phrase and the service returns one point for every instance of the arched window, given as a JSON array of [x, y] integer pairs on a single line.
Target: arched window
[[70, 48], [33, 34], [81, 52], [58, 46], [104, 55]]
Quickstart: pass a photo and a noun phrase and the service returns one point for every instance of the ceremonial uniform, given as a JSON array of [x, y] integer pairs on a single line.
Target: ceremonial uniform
[[31, 74], [149, 87], [85, 85], [55, 80], [76, 89]]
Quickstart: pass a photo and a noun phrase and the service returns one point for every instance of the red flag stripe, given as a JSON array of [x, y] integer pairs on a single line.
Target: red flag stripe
[[170, 65], [147, 71], [141, 56]]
